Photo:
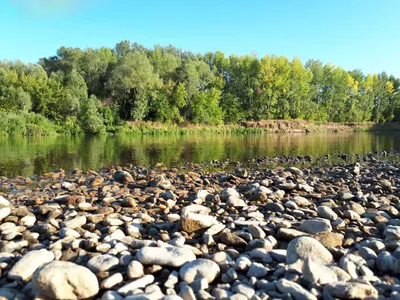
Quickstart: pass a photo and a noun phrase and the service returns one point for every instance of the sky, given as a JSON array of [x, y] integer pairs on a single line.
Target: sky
[[352, 34]]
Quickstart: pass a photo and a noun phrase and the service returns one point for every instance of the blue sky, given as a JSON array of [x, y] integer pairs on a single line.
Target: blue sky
[[362, 34]]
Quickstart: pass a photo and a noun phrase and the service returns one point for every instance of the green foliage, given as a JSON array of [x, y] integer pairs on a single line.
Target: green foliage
[[166, 84], [22, 123], [91, 117], [133, 82], [205, 107]]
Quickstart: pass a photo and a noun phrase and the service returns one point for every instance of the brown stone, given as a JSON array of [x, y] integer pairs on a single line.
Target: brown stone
[[329, 239], [230, 239]]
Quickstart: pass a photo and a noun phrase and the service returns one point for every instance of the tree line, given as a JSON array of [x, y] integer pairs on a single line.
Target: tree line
[[95, 90]]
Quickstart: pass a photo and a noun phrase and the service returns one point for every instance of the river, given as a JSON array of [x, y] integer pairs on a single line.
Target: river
[[27, 156]]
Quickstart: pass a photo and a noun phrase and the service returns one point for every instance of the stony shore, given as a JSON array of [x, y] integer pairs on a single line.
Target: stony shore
[[313, 233]]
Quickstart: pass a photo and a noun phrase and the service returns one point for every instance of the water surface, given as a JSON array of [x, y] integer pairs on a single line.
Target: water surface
[[36, 155]]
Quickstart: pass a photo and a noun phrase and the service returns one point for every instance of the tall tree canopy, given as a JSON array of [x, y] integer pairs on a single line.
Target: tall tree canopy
[[96, 88]]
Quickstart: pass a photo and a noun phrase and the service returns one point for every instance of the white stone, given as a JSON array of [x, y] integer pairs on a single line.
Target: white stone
[[65, 280], [4, 212], [4, 202], [198, 269], [135, 269], [171, 256], [111, 281], [68, 232], [28, 221], [78, 221], [29, 263], [136, 284]]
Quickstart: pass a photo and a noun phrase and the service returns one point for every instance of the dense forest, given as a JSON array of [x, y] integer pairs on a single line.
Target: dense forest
[[97, 90]]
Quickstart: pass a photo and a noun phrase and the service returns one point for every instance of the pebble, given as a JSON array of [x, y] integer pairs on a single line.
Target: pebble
[[29, 263], [294, 289], [136, 284], [102, 263], [307, 247], [135, 269], [280, 233], [199, 269], [171, 256], [350, 290], [315, 225], [65, 280]]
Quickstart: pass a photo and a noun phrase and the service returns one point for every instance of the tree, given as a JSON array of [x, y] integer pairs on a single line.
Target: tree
[[132, 84], [90, 116], [171, 98], [205, 107]]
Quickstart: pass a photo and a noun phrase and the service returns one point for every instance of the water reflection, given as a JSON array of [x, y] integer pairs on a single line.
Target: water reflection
[[35, 155]]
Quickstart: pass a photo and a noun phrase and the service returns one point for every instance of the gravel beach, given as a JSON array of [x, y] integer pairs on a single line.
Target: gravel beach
[[329, 232]]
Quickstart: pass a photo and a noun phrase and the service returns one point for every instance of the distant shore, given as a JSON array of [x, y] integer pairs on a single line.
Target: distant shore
[[36, 125]]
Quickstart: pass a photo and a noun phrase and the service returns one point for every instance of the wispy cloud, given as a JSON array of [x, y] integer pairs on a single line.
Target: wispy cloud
[[49, 8]]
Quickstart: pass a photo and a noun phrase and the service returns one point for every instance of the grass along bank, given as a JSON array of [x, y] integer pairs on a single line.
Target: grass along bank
[[31, 124]]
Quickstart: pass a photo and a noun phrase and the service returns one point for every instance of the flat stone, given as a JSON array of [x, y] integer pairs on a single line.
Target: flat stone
[[76, 222], [29, 263], [136, 284], [294, 289], [307, 247], [257, 270], [235, 202], [290, 234], [231, 239], [329, 239], [350, 290], [315, 225], [102, 263], [170, 256]]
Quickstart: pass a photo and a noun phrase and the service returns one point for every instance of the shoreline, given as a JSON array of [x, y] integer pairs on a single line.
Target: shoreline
[[254, 127], [163, 234]]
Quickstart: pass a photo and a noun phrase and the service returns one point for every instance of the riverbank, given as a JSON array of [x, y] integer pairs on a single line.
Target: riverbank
[[313, 233], [31, 124], [265, 126]]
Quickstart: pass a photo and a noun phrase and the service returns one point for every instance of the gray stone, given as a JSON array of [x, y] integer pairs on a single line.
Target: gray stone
[[102, 263], [245, 290], [294, 289], [306, 247], [316, 225], [111, 295], [257, 270], [385, 262], [326, 213], [349, 290]]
